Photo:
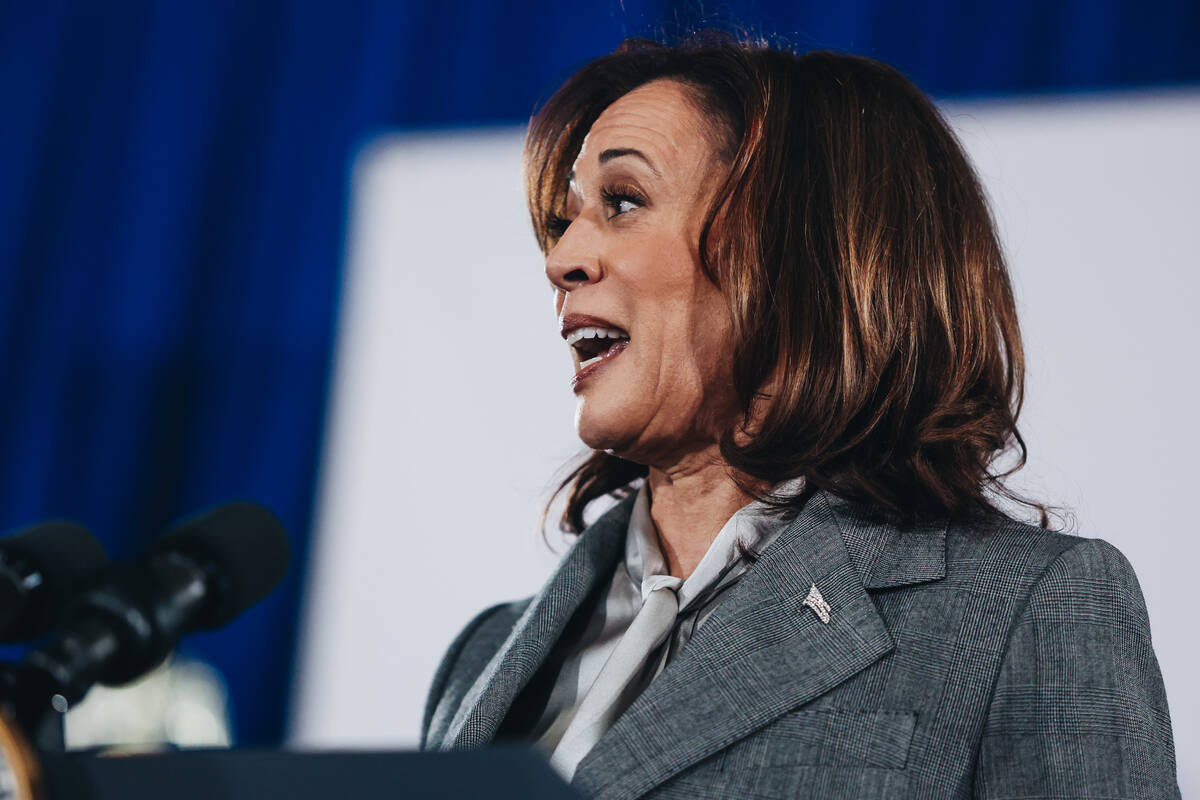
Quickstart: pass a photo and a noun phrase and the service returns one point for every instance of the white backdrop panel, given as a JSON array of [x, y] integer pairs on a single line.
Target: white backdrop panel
[[451, 408]]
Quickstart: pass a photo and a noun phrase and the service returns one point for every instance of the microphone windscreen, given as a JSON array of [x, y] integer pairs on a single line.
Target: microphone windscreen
[[243, 545], [64, 553], [64, 556]]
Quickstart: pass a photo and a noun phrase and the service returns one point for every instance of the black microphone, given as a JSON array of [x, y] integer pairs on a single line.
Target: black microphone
[[41, 568], [200, 575]]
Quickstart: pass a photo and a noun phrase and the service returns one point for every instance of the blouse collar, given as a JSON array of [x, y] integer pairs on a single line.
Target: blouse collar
[[753, 524]]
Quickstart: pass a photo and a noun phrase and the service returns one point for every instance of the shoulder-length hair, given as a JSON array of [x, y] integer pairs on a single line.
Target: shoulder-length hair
[[876, 351]]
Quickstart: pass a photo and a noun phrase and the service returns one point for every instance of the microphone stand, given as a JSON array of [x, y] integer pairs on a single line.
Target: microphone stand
[[30, 701], [31, 724], [115, 634], [36, 692]]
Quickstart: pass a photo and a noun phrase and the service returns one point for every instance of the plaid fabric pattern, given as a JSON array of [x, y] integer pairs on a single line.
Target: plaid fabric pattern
[[984, 658]]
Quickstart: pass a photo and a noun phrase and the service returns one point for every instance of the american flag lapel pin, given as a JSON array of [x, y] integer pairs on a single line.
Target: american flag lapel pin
[[817, 603]]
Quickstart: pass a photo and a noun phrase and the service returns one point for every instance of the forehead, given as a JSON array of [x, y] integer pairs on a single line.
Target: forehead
[[660, 118]]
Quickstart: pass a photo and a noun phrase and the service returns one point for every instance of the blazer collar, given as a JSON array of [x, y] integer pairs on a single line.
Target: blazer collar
[[592, 558], [888, 555]]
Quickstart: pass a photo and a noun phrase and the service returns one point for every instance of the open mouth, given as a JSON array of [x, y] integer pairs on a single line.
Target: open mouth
[[593, 345]]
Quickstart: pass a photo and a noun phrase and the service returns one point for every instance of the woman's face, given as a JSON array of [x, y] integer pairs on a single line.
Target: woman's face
[[654, 385]]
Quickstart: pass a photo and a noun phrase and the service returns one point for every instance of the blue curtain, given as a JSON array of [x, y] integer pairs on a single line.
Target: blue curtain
[[173, 185]]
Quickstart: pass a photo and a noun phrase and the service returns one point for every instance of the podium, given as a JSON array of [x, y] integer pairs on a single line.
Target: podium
[[497, 772]]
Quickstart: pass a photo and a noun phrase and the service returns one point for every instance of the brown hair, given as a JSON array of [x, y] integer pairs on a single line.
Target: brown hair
[[876, 347]]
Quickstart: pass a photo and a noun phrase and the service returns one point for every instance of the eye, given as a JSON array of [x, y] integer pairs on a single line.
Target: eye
[[621, 200]]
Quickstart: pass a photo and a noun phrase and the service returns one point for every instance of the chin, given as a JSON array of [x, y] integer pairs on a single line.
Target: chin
[[607, 429]]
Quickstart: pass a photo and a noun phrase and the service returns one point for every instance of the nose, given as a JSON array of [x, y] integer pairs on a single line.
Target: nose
[[573, 262]]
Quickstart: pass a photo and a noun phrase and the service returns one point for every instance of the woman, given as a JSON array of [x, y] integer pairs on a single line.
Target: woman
[[796, 362]]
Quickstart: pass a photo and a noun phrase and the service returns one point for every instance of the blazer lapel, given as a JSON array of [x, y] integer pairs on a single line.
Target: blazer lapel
[[762, 652], [592, 558]]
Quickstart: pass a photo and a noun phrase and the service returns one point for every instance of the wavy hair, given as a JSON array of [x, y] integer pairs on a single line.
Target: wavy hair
[[876, 351]]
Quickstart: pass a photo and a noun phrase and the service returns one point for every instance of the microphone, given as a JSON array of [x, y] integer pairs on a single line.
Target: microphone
[[200, 575], [41, 568]]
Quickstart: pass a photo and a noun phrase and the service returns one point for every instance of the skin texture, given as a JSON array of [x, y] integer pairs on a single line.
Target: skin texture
[[633, 260]]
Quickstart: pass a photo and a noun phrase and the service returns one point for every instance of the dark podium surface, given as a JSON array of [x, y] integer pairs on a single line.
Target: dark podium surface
[[497, 772]]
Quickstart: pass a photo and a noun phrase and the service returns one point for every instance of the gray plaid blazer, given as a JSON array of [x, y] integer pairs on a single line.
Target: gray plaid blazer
[[984, 658]]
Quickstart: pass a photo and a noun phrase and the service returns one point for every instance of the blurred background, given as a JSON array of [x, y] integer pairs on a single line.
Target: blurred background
[[278, 251]]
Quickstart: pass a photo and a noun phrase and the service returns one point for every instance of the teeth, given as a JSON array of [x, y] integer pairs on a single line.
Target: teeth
[[590, 361], [593, 333]]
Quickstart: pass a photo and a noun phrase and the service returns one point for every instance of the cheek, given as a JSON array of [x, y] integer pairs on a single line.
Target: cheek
[[688, 309], [695, 361], [714, 355], [685, 323], [710, 322]]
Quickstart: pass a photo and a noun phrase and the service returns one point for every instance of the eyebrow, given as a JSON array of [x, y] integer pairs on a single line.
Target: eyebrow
[[620, 152]]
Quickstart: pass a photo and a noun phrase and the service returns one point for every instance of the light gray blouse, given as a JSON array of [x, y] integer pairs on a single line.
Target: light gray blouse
[[642, 571]]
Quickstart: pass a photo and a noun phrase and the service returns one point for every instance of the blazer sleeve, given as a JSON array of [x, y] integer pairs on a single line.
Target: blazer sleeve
[[1079, 708]]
